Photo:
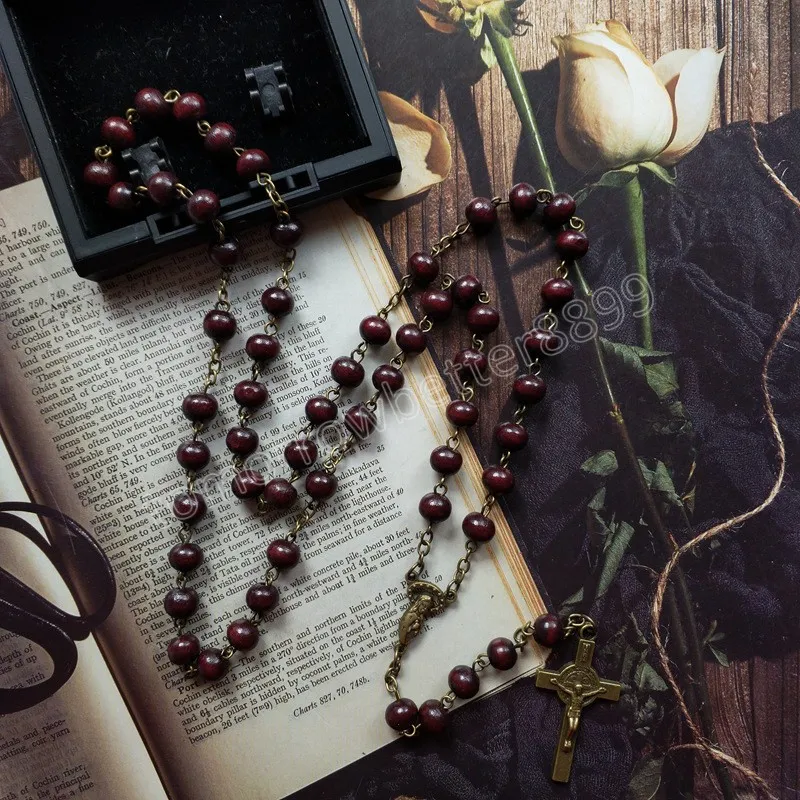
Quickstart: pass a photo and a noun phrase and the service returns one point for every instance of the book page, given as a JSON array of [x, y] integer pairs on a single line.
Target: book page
[[68, 745], [96, 374]]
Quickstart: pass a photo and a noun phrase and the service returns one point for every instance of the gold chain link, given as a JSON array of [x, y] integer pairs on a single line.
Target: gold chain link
[[214, 366], [278, 203], [449, 239]]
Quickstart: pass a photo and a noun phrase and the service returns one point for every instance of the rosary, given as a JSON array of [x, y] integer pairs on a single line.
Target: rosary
[[577, 684]]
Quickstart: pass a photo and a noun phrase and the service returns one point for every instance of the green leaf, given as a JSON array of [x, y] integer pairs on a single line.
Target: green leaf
[[645, 783], [601, 464], [648, 680], [660, 481], [662, 173], [617, 541], [721, 657], [487, 53], [662, 377], [613, 179]]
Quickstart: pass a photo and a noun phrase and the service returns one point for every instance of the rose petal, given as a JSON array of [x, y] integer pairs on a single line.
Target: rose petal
[[422, 145], [612, 108], [690, 77]]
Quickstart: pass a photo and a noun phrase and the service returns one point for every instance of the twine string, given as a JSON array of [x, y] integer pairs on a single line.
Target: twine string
[[701, 743]]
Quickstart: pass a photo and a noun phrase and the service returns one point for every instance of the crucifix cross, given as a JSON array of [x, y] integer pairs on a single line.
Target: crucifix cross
[[578, 686]]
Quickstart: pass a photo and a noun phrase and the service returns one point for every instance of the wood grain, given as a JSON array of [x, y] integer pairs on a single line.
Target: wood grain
[[756, 703]]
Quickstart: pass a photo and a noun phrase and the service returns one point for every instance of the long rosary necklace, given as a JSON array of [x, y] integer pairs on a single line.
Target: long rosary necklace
[[577, 684]]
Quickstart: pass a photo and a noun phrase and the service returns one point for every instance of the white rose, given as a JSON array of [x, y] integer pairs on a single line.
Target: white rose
[[616, 108]]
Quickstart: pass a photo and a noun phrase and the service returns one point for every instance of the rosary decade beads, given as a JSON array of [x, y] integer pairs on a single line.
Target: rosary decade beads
[[577, 684]]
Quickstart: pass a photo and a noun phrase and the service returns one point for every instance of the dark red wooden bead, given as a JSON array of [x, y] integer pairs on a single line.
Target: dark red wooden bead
[[276, 301], [221, 138], [118, 132], [401, 714], [262, 347], [282, 553], [211, 665], [464, 681], [435, 507], [300, 454], [320, 410], [161, 188], [122, 197], [481, 214], [193, 455], [241, 441], [360, 420], [375, 330], [471, 364], [559, 210], [466, 291], [437, 304], [557, 292], [548, 630], [247, 484], [387, 378], [539, 342], [202, 206], [347, 371], [100, 174], [250, 394], [477, 527], [189, 107], [286, 234], [180, 603], [151, 105], [242, 634], [262, 597], [410, 338], [183, 649], [321, 484], [280, 493], [446, 460], [422, 268], [185, 556], [522, 200], [511, 436], [219, 325], [189, 506], [225, 253], [572, 244], [529, 389], [199, 407], [483, 319], [462, 413], [498, 480], [502, 653], [251, 162], [434, 717]]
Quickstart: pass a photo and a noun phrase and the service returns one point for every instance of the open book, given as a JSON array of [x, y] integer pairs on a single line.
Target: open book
[[93, 377]]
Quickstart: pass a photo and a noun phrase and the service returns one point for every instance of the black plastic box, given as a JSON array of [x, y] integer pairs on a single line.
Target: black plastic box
[[72, 64]]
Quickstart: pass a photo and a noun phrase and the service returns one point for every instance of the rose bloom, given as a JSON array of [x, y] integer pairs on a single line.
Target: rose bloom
[[616, 108]]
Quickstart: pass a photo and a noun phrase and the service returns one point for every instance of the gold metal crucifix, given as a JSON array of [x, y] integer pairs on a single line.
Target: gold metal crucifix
[[578, 686]]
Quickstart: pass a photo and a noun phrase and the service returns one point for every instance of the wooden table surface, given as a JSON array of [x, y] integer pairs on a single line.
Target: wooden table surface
[[756, 702]]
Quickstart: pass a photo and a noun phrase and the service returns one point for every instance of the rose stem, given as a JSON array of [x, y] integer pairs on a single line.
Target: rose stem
[[634, 206], [507, 61], [689, 650]]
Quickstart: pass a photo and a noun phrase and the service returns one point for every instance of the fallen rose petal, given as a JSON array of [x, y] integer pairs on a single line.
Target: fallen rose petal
[[423, 148]]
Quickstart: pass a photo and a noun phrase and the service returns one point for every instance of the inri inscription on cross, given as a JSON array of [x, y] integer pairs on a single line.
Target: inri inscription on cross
[[577, 685]]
